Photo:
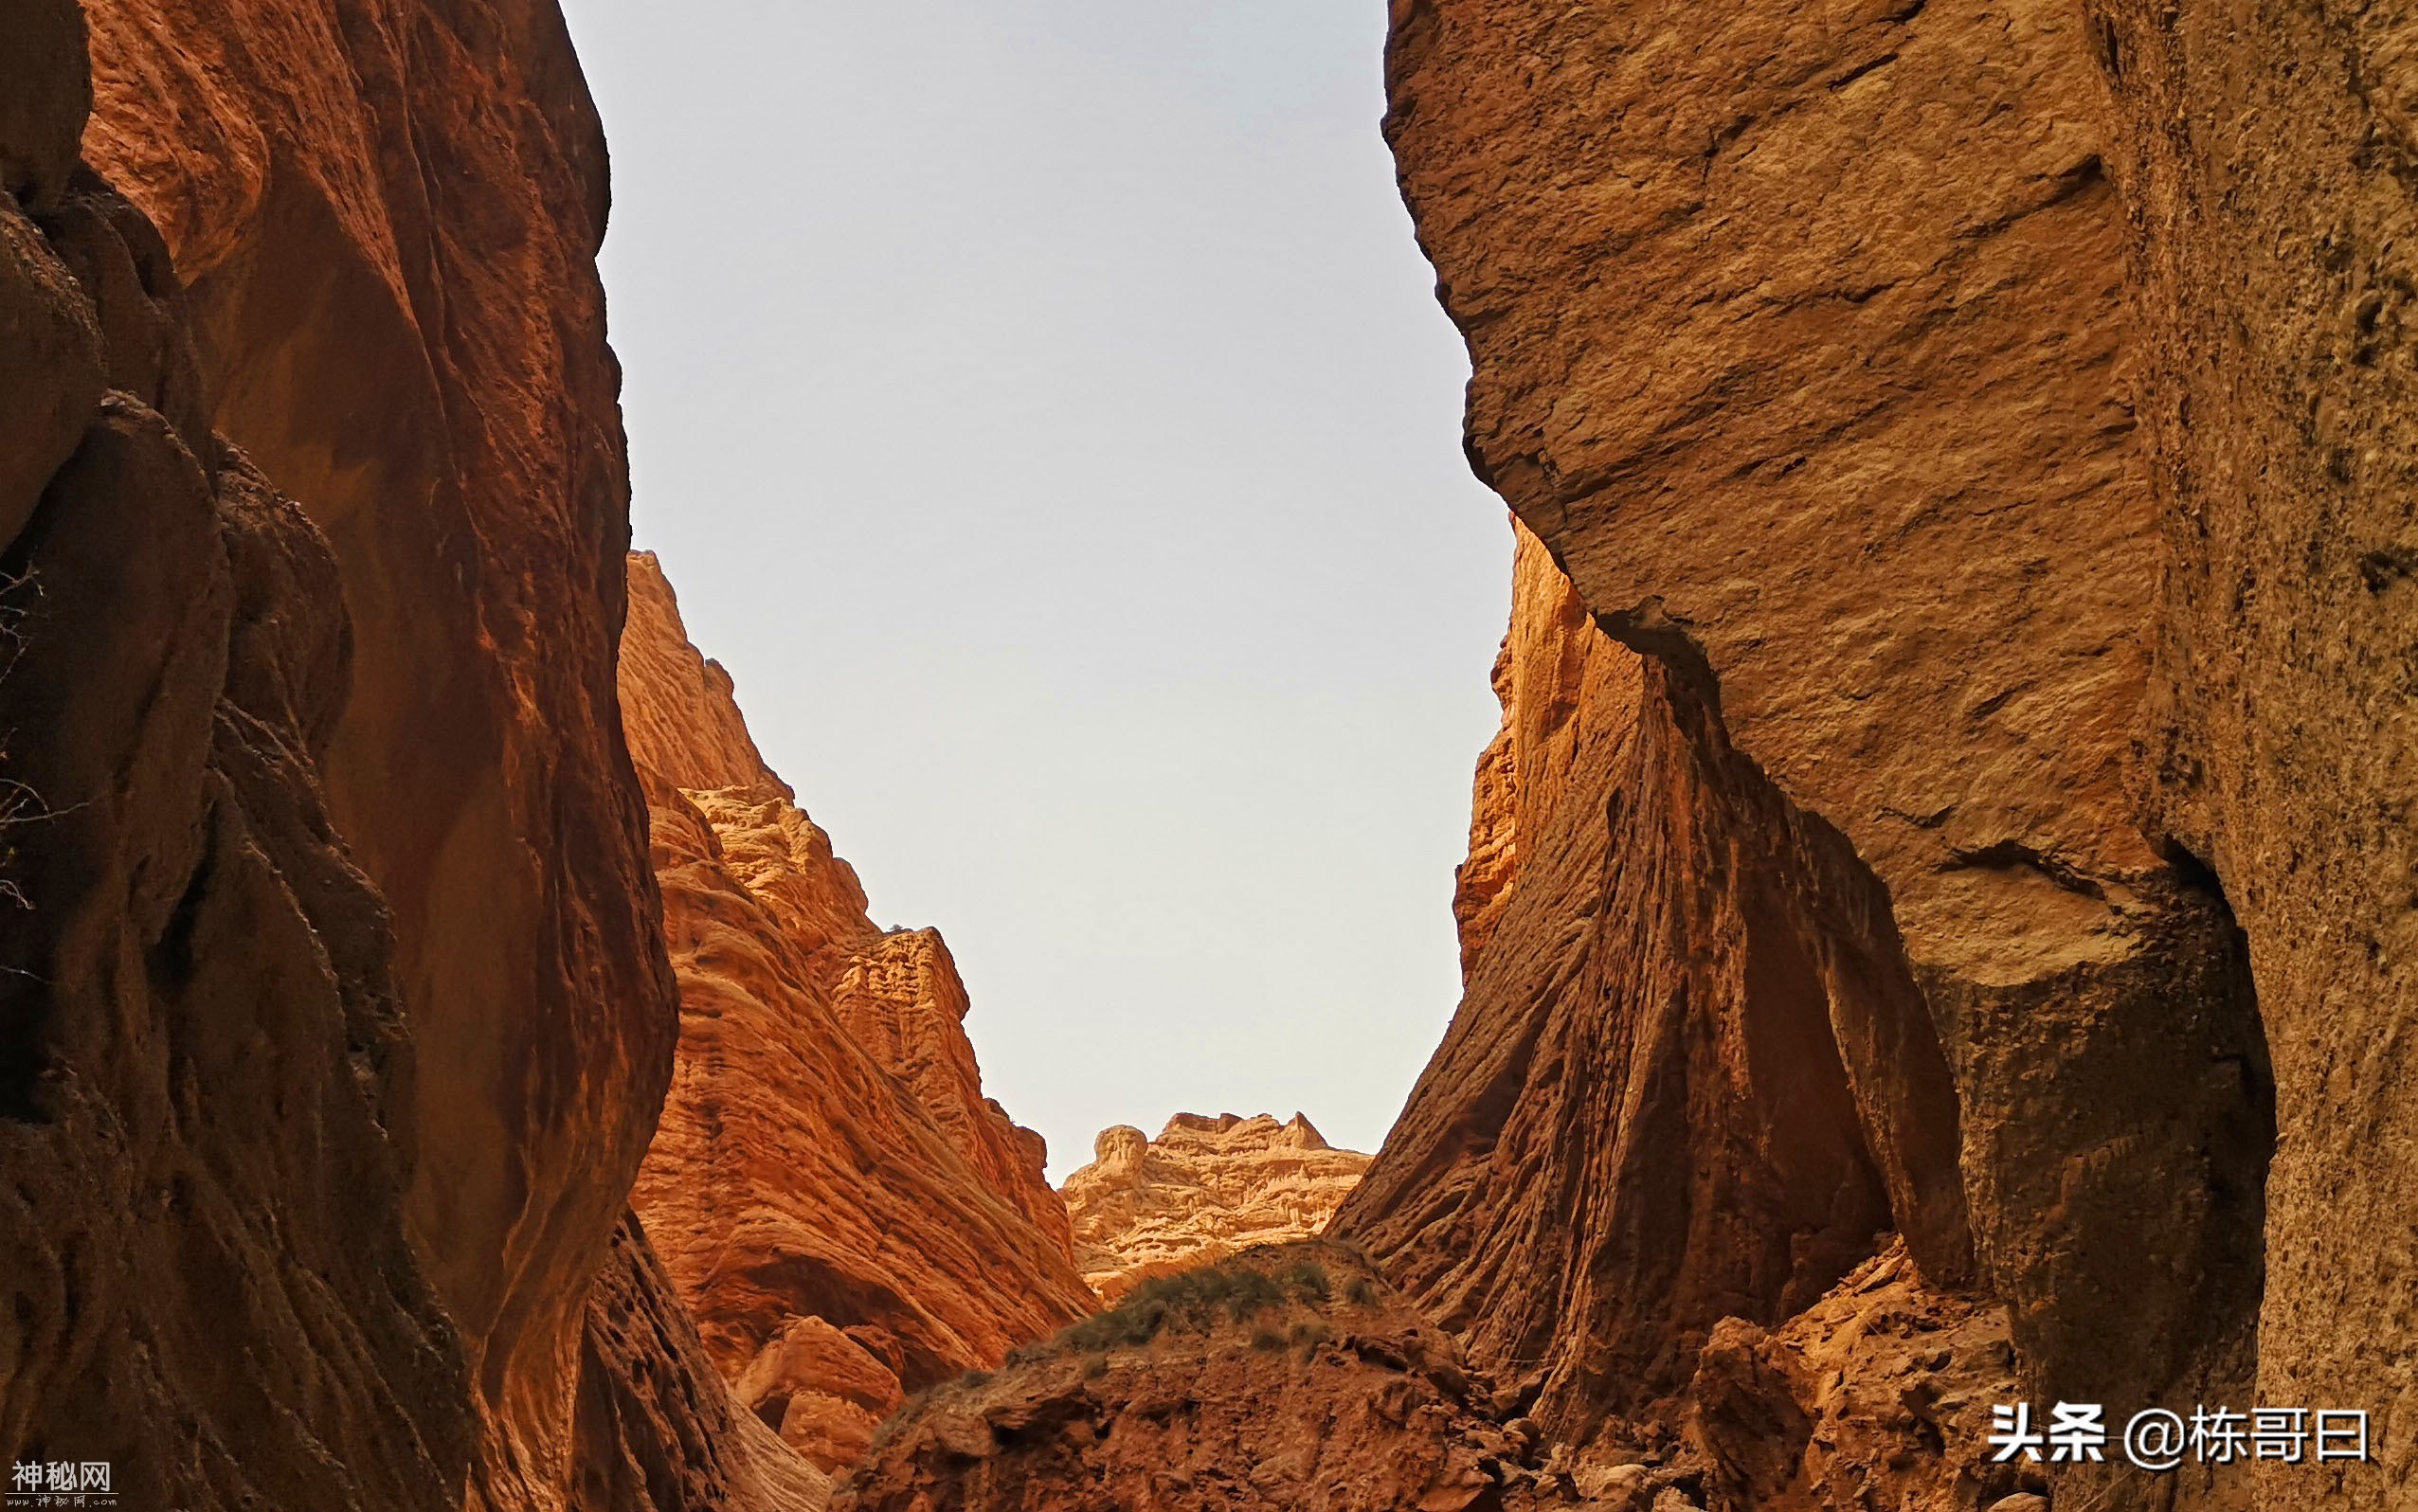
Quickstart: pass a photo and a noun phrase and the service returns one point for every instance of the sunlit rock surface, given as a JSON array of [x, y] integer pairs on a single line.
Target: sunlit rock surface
[[846, 1214], [1205, 1189]]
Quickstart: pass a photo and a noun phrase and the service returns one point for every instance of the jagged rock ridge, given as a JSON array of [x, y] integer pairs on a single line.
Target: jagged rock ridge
[[848, 1215], [1205, 1189]]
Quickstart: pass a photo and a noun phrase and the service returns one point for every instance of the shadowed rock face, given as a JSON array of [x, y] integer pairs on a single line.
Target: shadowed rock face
[[204, 1071], [1800, 339], [386, 214], [335, 1012], [2268, 167], [657, 1427], [1205, 1189], [846, 1213]]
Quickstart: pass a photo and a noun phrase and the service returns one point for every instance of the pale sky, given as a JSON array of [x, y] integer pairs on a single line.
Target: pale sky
[[1042, 409]]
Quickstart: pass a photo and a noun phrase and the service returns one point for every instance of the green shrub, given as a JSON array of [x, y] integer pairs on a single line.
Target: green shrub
[[1359, 1293], [1268, 1338]]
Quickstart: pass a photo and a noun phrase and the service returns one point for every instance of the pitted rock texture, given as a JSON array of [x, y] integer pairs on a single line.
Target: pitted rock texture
[[386, 214], [2268, 167], [1879, 1395], [1205, 1189], [1284, 1380], [206, 1069], [849, 1218], [1801, 343]]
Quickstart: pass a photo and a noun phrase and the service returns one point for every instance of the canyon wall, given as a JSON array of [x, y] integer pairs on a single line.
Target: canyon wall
[[339, 1013], [387, 217], [1997, 742], [205, 1089], [2270, 172], [848, 1215], [1646, 1116], [1205, 1189]]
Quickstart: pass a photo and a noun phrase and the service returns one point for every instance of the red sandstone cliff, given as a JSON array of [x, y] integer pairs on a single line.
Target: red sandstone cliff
[[1205, 1189], [1803, 345], [205, 1105], [332, 1185], [850, 1218]]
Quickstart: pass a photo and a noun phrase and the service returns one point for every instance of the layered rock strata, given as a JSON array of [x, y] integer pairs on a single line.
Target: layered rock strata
[[849, 1217], [1841, 440], [1205, 1189]]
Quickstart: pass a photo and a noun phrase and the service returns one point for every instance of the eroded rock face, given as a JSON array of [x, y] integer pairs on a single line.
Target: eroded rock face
[[1316, 1391], [2267, 169], [847, 1214], [1877, 1395], [1644, 1118], [1205, 1189], [1800, 342], [386, 215], [658, 1430], [206, 1097]]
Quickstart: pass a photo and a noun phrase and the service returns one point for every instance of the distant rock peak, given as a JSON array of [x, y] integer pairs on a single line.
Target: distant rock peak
[[1206, 1188]]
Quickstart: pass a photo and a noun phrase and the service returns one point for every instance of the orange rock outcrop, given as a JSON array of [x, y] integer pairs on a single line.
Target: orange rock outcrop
[[847, 1214], [1205, 1189]]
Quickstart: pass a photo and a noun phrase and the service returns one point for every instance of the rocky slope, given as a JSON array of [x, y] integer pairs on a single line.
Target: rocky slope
[[1205, 1189], [1291, 1377], [849, 1218], [1285, 1378]]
